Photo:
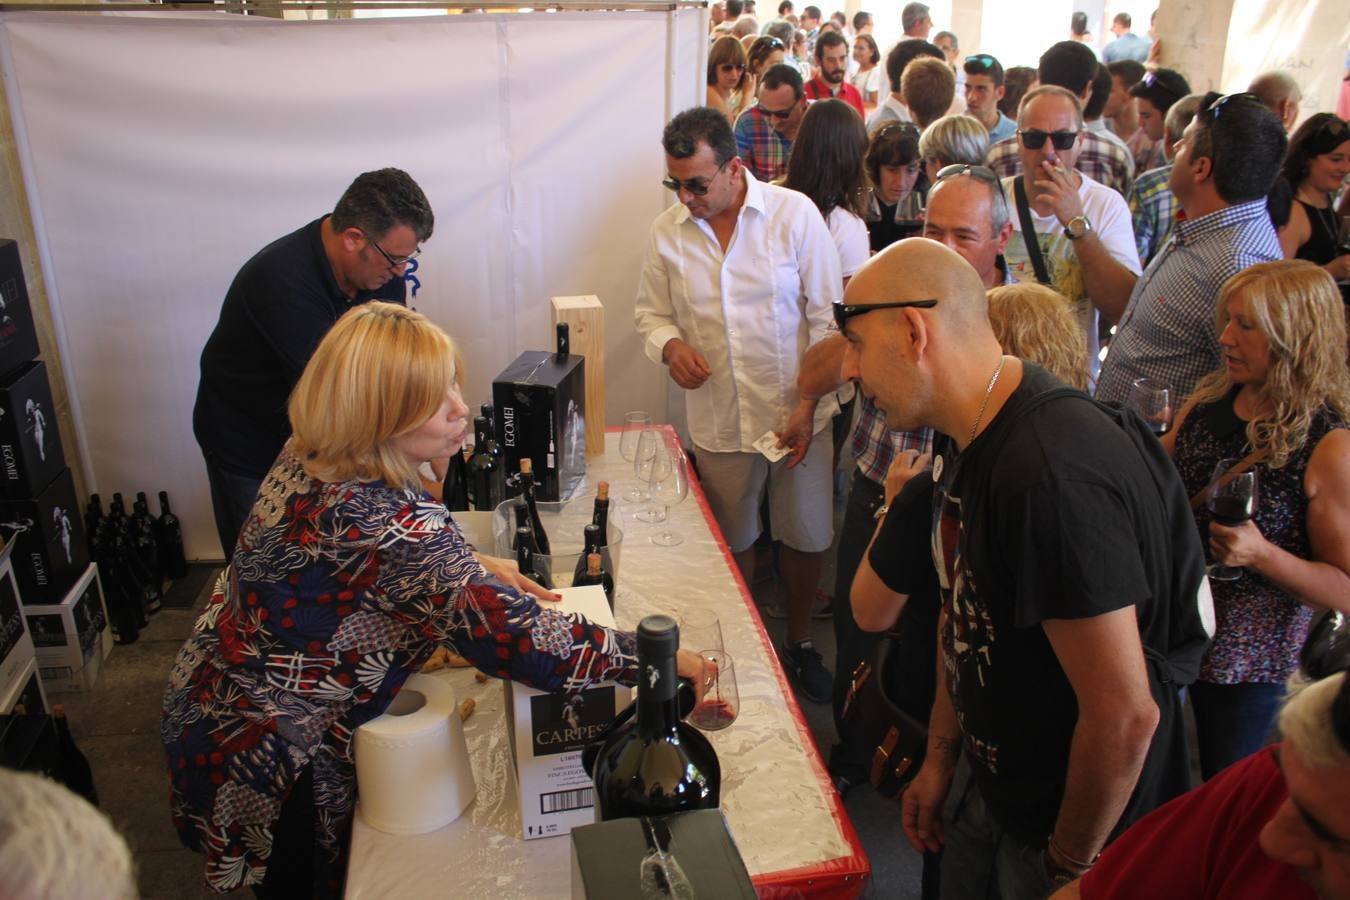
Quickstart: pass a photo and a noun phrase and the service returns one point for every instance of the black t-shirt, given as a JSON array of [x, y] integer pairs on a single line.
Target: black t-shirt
[[1051, 515], [280, 305], [902, 557]]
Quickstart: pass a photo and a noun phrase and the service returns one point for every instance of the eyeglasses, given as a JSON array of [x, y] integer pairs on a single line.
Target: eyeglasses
[[845, 311], [1034, 138], [983, 60], [1216, 107], [394, 261], [696, 186], [1326, 652], [779, 114], [983, 173], [731, 67], [772, 43]]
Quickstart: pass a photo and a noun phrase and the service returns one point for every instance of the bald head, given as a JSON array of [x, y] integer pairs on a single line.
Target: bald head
[[919, 269]]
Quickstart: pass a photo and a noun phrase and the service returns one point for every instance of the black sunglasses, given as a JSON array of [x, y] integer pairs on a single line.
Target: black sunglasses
[[1216, 107], [983, 60], [983, 173], [845, 311], [1034, 138], [394, 261], [1326, 652], [696, 186], [772, 43], [779, 114]]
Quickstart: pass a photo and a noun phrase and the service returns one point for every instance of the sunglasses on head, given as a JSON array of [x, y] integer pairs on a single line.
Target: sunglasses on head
[[1034, 138], [1326, 652], [845, 311], [983, 60], [1334, 127], [696, 186], [772, 43], [1216, 107], [983, 173]]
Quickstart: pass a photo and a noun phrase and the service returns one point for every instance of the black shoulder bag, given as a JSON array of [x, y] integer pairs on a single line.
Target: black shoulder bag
[[1029, 236]]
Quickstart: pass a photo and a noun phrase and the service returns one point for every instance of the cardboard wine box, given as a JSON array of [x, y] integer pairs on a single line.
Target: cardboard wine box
[[28, 742], [30, 443], [26, 691], [18, 337], [549, 731], [72, 637], [16, 645], [607, 856], [539, 411], [50, 553]]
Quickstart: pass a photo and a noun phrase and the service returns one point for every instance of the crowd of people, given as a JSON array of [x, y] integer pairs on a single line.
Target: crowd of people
[[1098, 234]]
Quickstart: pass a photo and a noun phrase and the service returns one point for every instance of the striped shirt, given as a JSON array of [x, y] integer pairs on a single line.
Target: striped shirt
[[761, 147], [1153, 208], [1101, 159], [1167, 331]]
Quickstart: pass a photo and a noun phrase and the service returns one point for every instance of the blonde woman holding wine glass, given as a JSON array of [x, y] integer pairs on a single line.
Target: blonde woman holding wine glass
[[1279, 406]]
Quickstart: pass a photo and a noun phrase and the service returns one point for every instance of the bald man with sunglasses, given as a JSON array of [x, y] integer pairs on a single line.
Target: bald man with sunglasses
[[1082, 228]]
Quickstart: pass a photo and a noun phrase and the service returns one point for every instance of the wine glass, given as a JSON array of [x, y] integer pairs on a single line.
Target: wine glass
[[1152, 399], [654, 466], [670, 491], [646, 456], [721, 701], [1232, 499], [909, 213], [634, 424], [700, 629]]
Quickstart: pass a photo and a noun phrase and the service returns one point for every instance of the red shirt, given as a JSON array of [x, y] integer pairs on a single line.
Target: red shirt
[[819, 89], [1203, 844]]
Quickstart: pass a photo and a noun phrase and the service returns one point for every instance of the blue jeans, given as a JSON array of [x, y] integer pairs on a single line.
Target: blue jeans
[[980, 861], [1232, 721], [232, 497]]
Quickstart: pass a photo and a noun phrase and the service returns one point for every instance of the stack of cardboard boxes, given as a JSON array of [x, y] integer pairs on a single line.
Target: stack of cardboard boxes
[[66, 621]]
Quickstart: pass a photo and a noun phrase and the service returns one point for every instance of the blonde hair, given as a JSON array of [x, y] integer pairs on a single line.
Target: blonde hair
[[381, 372], [1035, 323], [1297, 307]]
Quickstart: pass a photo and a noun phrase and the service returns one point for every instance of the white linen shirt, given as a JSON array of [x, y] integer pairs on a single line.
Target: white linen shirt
[[751, 312]]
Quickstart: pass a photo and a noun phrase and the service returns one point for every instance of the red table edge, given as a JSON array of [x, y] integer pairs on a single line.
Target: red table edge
[[843, 876]]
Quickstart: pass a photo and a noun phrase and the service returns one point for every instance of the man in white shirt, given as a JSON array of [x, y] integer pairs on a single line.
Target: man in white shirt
[[740, 277], [1083, 228]]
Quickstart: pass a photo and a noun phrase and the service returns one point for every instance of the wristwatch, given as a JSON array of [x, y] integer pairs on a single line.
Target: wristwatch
[[1077, 227]]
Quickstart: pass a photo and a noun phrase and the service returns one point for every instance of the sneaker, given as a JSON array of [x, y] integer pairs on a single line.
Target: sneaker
[[825, 609], [807, 671]]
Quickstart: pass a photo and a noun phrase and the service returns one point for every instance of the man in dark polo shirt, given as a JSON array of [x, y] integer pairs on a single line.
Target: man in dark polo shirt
[[280, 305]]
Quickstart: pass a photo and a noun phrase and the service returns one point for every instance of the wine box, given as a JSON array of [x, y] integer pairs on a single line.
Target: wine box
[[30, 444], [16, 644], [50, 553], [607, 856], [548, 732], [27, 691], [28, 742], [73, 637], [539, 411], [18, 336]]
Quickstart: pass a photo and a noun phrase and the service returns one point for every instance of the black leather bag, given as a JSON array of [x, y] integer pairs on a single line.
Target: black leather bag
[[895, 739]]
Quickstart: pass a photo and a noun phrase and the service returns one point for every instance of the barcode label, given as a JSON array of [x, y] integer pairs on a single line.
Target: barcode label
[[562, 801]]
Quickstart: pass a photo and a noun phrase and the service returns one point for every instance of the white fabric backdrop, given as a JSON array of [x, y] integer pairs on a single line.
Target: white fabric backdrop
[[161, 152]]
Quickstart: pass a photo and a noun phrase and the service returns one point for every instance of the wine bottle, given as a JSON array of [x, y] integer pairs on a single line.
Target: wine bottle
[[564, 344], [657, 764], [455, 490], [525, 558], [522, 514], [527, 491], [600, 518], [169, 536], [73, 770], [122, 614], [485, 473], [93, 524], [147, 552], [594, 574]]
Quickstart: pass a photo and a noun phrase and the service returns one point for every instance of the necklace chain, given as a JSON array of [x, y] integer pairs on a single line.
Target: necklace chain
[[988, 391]]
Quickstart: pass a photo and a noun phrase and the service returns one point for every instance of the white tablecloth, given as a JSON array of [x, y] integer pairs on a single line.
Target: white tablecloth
[[783, 814]]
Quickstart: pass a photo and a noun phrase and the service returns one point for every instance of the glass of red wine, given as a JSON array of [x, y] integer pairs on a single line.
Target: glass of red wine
[[721, 701], [909, 214], [1232, 500], [1152, 399]]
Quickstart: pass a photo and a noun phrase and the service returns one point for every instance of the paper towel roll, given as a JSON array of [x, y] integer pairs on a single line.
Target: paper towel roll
[[412, 764]]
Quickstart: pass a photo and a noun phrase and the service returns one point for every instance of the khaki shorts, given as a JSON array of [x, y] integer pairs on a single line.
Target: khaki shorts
[[801, 511]]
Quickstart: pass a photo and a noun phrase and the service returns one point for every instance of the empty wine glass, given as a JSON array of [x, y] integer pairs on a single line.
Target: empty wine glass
[[634, 424], [1232, 499], [669, 491], [700, 630], [660, 876], [721, 701], [646, 457], [1152, 399]]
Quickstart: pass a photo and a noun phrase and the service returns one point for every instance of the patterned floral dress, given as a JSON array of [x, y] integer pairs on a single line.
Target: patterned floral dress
[[1260, 629], [337, 593]]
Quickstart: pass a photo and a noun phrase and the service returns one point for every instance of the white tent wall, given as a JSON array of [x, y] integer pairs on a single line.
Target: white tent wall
[[159, 153]]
